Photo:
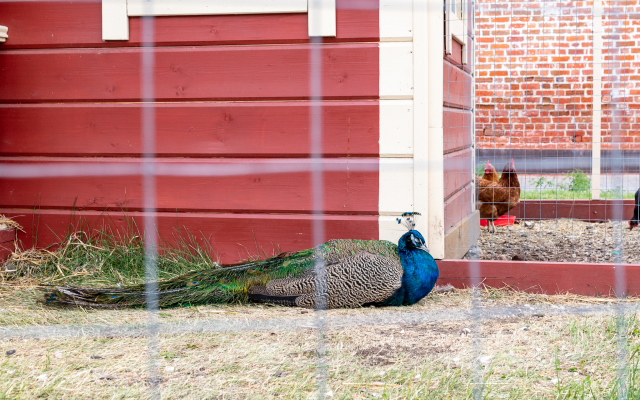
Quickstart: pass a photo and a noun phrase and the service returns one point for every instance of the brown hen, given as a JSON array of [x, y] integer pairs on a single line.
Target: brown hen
[[490, 173], [495, 199]]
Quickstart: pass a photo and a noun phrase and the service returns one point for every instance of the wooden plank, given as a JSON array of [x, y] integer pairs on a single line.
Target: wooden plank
[[584, 210], [188, 73], [213, 7], [233, 237], [460, 237], [262, 129], [584, 279], [457, 87], [396, 194], [458, 171], [347, 189], [396, 128], [115, 23], [396, 70], [457, 129], [455, 57], [322, 18], [65, 23], [396, 21], [458, 207]]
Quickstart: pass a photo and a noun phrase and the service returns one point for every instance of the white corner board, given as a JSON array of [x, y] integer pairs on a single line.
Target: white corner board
[[396, 21], [396, 71], [322, 18]]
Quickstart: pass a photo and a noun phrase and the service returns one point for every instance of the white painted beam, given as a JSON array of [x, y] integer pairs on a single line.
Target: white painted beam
[[115, 23], [213, 7], [396, 129], [421, 119], [435, 146], [396, 186], [396, 71], [396, 21], [597, 100], [322, 18]]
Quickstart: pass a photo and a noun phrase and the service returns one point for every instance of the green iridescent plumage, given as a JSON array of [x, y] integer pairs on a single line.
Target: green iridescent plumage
[[227, 284]]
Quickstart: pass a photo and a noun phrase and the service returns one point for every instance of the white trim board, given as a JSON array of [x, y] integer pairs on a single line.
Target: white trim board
[[116, 13]]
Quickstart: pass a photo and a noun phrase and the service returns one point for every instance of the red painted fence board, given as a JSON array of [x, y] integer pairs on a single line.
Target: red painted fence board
[[47, 24], [457, 87], [457, 207], [346, 190], [585, 210], [457, 129], [188, 73], [541, 277], [457, 171], [262, 129], [233, 237]]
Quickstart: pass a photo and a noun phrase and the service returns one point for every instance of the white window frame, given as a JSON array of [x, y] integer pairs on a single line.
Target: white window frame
[[456, 27], [116, 13]]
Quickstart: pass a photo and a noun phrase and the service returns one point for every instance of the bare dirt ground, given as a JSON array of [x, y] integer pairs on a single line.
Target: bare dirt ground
[[562, 240], [530, 346]]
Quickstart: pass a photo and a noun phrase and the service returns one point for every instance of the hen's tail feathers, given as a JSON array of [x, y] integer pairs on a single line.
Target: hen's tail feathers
[[226, 284]]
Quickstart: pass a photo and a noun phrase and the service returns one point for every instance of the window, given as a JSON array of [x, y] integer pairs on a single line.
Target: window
[[456, 25]]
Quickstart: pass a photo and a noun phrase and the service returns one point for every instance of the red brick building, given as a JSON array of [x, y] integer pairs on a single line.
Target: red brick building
[[535, 79]]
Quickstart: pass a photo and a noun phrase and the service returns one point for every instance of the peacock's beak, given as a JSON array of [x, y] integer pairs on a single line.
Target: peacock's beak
[[424, 247]]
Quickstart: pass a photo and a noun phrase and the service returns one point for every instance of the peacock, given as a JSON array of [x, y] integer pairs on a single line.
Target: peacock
[[356, 273]]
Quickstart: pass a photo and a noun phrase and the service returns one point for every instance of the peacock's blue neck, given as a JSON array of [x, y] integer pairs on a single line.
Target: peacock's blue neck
[[419, 278], [420, 274]]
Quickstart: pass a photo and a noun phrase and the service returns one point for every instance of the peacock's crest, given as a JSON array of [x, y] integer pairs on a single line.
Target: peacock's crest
[[408, 219]]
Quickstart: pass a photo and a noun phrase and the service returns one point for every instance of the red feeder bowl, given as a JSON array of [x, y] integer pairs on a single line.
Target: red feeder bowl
[[502, 221]]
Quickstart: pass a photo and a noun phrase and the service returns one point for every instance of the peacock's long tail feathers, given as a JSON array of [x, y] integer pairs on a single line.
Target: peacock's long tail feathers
[[226, 284]]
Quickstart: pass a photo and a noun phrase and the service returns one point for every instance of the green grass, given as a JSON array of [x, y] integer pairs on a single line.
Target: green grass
[[106, 256], [551, 194]]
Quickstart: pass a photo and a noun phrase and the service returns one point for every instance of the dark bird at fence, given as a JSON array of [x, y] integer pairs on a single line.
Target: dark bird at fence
[[356, 273], [495, 199], [635, 220]]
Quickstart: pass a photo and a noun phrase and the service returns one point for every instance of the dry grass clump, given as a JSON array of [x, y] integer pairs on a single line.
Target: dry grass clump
[[535, 356], [104, 257], [8, 223]]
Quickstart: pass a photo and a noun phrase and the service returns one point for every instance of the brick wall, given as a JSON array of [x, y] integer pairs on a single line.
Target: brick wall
[[534, 71]]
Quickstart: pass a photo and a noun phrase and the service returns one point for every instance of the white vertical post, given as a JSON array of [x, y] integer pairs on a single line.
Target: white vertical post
[[421, 116], [435, 133], [596, 110], [428, 179], [322, 18], [115, 22]]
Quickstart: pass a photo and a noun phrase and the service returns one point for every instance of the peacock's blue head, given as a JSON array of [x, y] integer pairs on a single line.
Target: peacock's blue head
[[412, 240]]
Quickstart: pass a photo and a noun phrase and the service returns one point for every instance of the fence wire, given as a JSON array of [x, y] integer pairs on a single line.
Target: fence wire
[[499, 134]]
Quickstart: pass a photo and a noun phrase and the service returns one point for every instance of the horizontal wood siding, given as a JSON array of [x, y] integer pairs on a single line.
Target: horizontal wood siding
[[457, 87], [50, 24], [344, 190], [253, 129], [349, 71], [232, 236], [458, 206], [458, 130], [231, 91], [458, 170], [457, 124]]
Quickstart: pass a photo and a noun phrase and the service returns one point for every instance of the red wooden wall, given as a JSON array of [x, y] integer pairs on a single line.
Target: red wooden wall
[[230, 90], [458, 130]]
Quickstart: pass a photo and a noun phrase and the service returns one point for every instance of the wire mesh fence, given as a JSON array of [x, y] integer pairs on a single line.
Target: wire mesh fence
[[519, 89]]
